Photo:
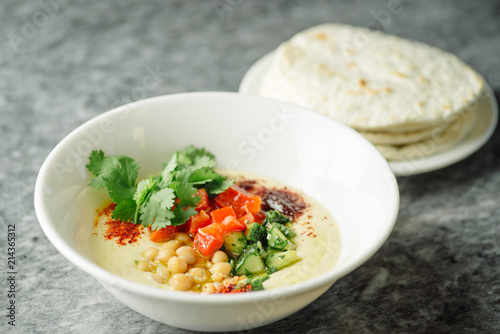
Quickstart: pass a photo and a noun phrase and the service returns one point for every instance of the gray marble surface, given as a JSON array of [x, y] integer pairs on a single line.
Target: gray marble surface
[[62, 63]]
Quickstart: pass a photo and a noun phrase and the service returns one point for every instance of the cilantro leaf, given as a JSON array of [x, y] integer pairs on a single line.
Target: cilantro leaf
[[183, 175], [182, 214], [192, 152], [118, 174], [204, 161], [195, 157], [186, 193], [203, 175], [158, 209], [116, 167], [218, 185], [151, 202], [96, 166], [167, 174], [144, 190], [125, 210]]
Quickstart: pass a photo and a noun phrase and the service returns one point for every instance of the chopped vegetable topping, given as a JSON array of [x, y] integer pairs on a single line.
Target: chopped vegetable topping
[[191, 202]]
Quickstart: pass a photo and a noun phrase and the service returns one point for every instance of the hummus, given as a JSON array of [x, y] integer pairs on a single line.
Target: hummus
[[317, 238]]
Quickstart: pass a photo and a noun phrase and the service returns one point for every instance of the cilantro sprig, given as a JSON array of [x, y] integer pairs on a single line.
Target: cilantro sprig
[[159, 201]]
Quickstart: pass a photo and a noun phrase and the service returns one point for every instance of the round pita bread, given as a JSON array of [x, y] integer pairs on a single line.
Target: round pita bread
[[401, 138], [440, 140], [372, 81]]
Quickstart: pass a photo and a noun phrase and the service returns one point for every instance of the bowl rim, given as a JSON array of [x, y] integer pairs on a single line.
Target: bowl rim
[[104, 276]]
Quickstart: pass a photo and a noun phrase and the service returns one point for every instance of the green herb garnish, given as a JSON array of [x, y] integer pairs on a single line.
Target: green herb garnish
[[273, 216], [166, 199]]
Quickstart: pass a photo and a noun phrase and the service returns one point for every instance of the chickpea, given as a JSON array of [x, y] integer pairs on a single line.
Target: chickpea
[[208, 288], [183, 237], [219, 256], [176, 265], [163, 271], [199, 275], [187, 253], [144, 265], [230, 280], [159, 279], [218, 277], [150, 253], [180, 282], [211, 287], [172, 244], [165, 254], [200, 263], [223, 268]]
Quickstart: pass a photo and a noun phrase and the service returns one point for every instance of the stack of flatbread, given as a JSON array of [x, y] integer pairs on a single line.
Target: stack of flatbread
[[409, 99]]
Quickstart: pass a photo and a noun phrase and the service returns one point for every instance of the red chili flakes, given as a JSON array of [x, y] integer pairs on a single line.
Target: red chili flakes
[[123, 232], [232, 288], [106, 211]]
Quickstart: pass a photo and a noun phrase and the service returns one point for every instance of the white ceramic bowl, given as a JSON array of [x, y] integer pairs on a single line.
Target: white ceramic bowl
[[303, 148]]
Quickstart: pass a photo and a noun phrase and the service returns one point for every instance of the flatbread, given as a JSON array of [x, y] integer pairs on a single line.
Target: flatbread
[[440, 140], [402, 138], [372, 81]]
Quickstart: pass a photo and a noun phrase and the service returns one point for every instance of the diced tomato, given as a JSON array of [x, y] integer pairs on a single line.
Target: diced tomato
[[233, 197], [212, 205], [230, 224], [248, 218], [163, 234], [207, 244], [214, 229], [184, 228], [253, 204], [203, 204], [259, 217], [198, 221], [219, 214]]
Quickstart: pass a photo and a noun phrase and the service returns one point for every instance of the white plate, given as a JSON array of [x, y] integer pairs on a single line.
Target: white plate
[[487, 117]]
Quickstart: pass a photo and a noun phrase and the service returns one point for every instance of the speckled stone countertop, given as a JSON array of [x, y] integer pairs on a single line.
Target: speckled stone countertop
[[63, 62]]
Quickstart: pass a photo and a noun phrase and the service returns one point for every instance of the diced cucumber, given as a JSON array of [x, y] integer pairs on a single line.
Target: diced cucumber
[[282, 260], [257, 247], [287, 231], [262, 250], [273, 216], [276, 239], [256, 281], [235, 242], [255, 232], [249, 263]]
